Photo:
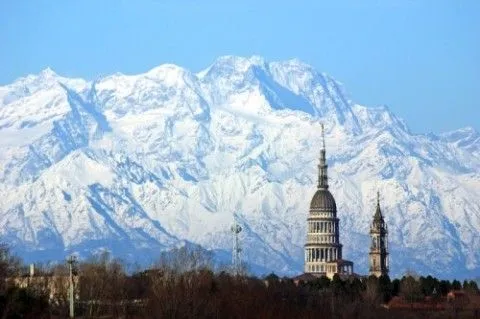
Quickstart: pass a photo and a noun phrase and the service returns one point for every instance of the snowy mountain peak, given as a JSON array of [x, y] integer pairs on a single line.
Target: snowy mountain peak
[[142, 163], [45, 78], [466, 138], [231, 67], [47, 73], [464, 131], [240, 64], [291, 85], [34, 83], [169, 73]]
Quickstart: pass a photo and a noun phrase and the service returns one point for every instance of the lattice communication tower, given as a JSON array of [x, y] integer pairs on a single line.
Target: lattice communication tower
[[236, 262]]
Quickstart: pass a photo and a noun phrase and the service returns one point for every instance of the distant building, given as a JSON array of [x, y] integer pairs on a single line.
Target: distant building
[[457, 300], [379, 245], [323, 250], [54, 286], [425, 304]]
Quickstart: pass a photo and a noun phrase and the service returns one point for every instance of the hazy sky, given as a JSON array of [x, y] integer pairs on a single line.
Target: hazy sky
[[421, 58]]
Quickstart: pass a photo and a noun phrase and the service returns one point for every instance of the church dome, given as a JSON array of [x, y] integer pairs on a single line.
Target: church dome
[[323, 200]]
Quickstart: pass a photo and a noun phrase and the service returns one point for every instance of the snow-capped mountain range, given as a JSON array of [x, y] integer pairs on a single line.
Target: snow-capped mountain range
[[142, 163]]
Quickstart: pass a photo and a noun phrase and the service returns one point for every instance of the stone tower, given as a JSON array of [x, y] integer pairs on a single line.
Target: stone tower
[[379, 246], [323, 250]]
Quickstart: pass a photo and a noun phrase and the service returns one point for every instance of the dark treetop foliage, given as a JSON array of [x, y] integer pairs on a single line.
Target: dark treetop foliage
[[183, 284]]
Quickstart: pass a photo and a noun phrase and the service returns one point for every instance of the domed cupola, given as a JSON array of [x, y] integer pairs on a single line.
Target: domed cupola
[[323, 250], [323, 200]]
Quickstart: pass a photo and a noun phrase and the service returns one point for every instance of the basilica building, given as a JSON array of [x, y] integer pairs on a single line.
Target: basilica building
[[323, 250]]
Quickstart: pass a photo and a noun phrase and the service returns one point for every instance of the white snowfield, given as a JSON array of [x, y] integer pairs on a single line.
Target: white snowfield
[[138, 164]]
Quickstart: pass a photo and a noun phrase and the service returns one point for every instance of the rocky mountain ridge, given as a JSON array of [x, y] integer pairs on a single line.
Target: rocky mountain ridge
[[142, 163]]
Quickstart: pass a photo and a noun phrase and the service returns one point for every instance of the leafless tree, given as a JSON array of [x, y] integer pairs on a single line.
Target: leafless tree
[[410, 289], [185, 259], [102, 286], [10, 266], [372, 291]]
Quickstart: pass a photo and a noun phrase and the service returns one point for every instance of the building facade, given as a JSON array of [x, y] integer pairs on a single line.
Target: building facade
[[379, 245], [323, 250]]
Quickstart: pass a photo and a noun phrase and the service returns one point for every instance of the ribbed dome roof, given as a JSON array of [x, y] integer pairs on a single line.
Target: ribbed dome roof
[[323, 200]]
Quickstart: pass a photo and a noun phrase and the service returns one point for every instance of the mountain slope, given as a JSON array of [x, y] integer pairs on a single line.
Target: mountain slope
[[142, 163]]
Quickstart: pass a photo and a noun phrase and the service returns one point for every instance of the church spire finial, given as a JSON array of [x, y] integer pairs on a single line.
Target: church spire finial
[[378, 211], [323, 136], [322, 167]]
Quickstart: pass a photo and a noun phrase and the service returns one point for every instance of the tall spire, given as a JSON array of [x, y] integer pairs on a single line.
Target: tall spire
[[379, 249], [322, 166], [323, 136], [378, 211]]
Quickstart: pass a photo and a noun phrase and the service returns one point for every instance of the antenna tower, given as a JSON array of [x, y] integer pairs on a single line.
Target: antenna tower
[[236, 229]]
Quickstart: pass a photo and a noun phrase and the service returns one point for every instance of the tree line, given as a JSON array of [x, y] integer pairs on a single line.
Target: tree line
[[186, 284]]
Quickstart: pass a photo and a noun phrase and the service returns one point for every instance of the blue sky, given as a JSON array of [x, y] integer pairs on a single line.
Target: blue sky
[[421, 58]]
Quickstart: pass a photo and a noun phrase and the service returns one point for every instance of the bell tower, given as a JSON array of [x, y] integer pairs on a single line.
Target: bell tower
[[379, 245]]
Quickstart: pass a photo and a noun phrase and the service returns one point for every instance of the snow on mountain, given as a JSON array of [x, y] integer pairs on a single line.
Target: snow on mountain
[[141, 163], [466, 138]]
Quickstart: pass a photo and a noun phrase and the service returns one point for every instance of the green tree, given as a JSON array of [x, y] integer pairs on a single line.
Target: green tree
[[395, 287], [456, 285], [271, 277], [410, 289], [321, 283], [470, 287], [23, 303], [385, 288], [428, 284], [474, 287], [337, 285], [355, 289], [445, 287]]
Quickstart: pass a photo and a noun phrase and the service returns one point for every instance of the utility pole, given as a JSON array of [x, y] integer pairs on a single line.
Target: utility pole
[[71, 261]]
